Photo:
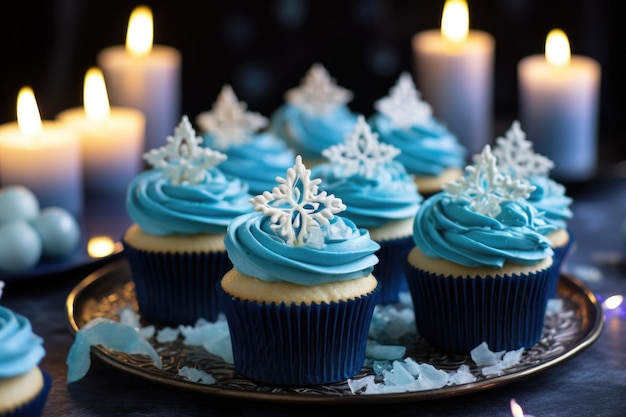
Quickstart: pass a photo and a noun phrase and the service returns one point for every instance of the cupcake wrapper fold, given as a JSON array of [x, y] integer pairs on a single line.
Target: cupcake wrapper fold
[[298, 344], [390, 268], [33, 408], [457, 314], [560, 253], [177, 288]]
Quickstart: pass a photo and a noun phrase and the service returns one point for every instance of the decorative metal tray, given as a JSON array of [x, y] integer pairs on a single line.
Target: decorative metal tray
[[104, 292]]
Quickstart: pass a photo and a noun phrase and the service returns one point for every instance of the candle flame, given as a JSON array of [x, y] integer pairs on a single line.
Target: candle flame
[[140, 32], [95, 96], [455, 20], [100, 246], [557, 48], [613, 302], [516, 410], [28, 117]]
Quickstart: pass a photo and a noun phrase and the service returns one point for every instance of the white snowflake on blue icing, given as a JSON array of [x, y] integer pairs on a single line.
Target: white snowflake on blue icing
[[516, 156], [183, 160], [229, 122], [361, 153], [295, 207], [318, 93], [485, 187], [403, 105]]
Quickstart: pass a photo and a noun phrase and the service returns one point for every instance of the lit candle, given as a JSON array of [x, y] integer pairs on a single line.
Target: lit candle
[[112, 139], [558, 102], [516, 409], [454, 72], [43, 156], [145, 76]]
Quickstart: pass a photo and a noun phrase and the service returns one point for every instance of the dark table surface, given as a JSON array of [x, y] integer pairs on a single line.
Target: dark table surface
[[591, 383]]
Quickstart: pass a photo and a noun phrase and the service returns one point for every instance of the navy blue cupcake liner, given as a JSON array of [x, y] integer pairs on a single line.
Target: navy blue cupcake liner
[[457, 314], [33, 408], [390, 268], [298, 345], [177, 288], [560, 253]]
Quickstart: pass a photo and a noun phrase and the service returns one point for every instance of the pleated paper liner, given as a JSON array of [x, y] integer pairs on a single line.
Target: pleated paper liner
[[560, 253], [390, 268]]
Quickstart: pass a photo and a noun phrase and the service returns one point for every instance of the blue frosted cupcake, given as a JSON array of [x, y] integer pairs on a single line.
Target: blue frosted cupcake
[[516, 157], [180, 211], [482, 265], [430, 152], [254, 155], [24, 386], [301, 295], [380, 196], [315, 115]]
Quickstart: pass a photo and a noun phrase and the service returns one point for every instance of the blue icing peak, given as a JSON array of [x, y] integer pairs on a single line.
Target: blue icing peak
[[483, 219], [20, 349], [405, 121]]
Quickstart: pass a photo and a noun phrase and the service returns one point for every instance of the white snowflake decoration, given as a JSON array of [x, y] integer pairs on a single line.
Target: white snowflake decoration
[[486, 187], [361, 153], [403, 105], [229, 122], [515, 155], [295, 207], [318, 93], [183, 160]]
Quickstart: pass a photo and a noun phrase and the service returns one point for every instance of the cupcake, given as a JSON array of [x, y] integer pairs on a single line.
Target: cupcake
[[315, 115], [380, 196], [254, 155], [180, 211], [430, 152], [301, 295], [515, 156], [481, 266], [24, 386]]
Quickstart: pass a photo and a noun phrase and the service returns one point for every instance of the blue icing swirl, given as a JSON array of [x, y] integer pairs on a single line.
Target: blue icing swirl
[[257, 162], [372, 202], [426, 149], [450, 229], [162, 208], [256, 250], [309, 134], [20, 349], [549, 198]]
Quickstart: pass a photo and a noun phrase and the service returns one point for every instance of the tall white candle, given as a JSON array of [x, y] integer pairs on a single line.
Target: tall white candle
[[558, 104], [145, 76], [43, 156], [454, 72], [112, 139]]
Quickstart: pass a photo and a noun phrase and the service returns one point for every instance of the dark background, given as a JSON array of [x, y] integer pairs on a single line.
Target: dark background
[[262, 48]]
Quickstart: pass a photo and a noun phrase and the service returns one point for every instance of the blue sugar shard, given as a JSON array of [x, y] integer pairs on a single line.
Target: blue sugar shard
[[431, 377], [167, 334], [461, 376], [212, 336], [554, 306], [379, 366], [110, 334], [483, 356], [196, 375], [512, 358]]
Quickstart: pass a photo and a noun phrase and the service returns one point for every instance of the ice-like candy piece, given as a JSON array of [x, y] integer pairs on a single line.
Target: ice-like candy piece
[[110, 334], [212, 336], [461, 376], [377, 350], [482, 356], [196, 375], [167, 334]]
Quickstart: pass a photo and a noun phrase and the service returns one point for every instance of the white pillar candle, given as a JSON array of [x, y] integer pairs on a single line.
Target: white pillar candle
[[454, 72], [146, 77], [43, 156], [558, 104], [112, 139]]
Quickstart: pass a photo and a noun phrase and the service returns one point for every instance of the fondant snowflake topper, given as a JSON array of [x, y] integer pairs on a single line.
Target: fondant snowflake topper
[[485, 187], [296, 206], [183, 160], [318, 93], [229, 122], [515, 155], [403, 105], [361, 153]]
